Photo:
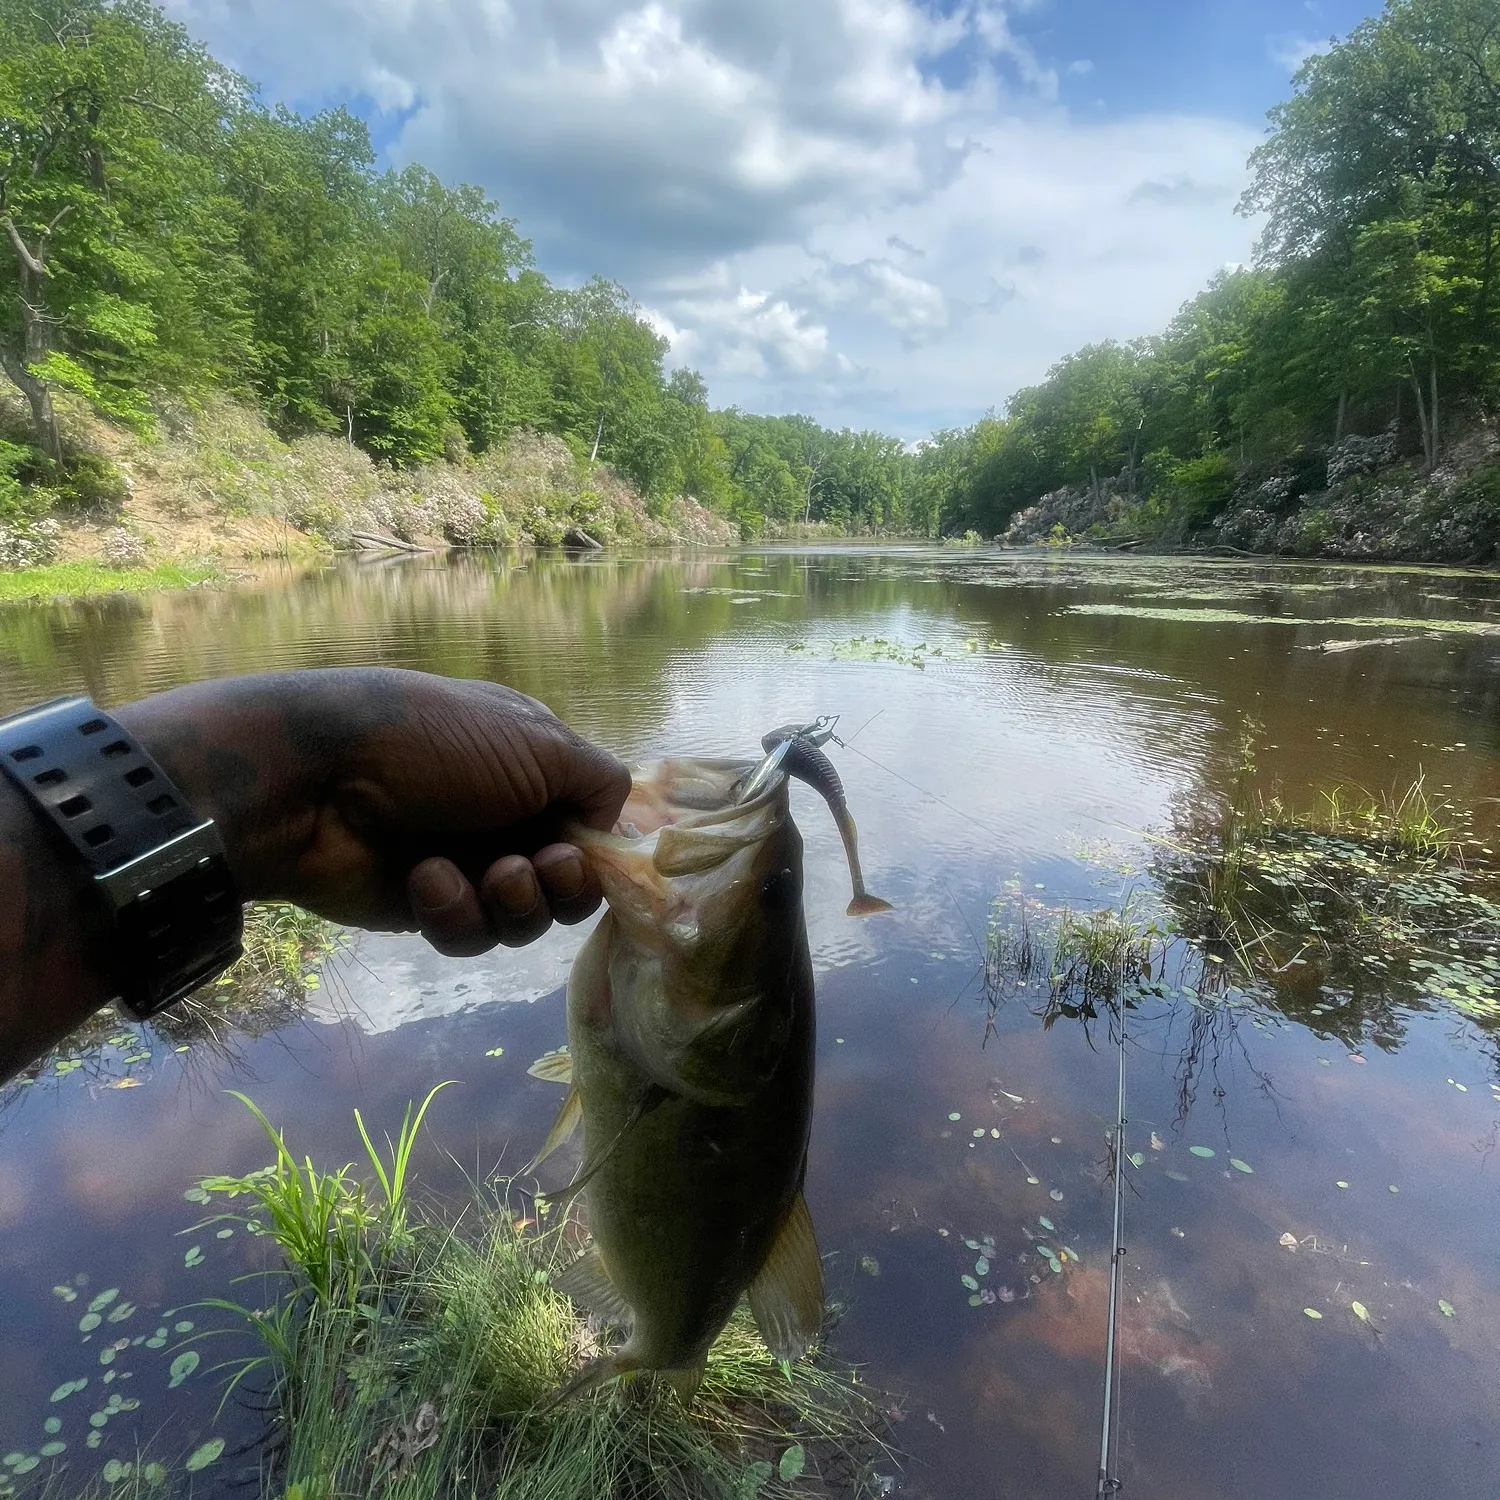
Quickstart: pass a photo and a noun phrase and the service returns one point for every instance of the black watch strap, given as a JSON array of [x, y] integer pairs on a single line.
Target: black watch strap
[[159, 868]]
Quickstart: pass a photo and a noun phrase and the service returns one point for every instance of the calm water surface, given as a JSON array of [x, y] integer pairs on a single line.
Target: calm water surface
[[1035, 746]]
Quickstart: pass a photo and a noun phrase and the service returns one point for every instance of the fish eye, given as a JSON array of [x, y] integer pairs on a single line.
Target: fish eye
[[780, 891]]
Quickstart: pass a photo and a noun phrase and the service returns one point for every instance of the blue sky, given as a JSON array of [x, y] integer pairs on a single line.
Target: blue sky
[[886, 213]]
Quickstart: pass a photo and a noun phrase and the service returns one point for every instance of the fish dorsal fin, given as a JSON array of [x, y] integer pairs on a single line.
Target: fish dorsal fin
[[553, 1067], [786, 1297], [562, 1127], [587, 1281]]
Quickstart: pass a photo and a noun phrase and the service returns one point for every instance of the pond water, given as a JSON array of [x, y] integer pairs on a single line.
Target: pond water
[[1015, 722]]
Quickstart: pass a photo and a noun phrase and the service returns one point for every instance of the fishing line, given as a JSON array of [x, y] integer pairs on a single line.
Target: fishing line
[[1109, 1480]]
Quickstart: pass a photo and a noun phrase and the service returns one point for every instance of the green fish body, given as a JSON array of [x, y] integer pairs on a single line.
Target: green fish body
[[690, 1031]]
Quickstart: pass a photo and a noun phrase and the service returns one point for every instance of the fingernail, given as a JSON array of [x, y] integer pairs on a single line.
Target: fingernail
[[565, 876], [436, 885], [516, 891]]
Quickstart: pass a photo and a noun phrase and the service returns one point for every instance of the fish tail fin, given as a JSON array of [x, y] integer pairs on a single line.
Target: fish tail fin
[[594, 1374], [866, 905], [684, 1383]]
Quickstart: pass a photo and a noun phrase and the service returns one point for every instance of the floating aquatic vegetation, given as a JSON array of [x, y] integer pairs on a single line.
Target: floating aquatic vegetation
[[1343, 914], [1208, 616], [877, 648]]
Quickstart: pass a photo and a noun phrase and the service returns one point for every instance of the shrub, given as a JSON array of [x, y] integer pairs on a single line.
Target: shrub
[[123, 549], [1200, 489]]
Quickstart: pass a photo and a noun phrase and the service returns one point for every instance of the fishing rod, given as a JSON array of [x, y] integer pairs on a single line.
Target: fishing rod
[[1109, 1480]]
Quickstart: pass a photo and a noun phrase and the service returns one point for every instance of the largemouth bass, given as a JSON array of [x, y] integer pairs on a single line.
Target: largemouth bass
[[690, 1060]]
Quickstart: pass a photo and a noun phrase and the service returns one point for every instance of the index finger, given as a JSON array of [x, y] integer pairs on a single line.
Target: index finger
[[589, 781]]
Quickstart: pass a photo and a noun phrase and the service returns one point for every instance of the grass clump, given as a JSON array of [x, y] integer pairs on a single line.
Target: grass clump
[[1075, 964], [80, 580], [408, 1357]]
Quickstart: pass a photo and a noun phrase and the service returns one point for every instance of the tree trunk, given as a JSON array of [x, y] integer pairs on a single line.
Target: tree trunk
[[31, 275], [598, 433], [1338, 429], [1427, 443], [1432, 415], [39, 398]]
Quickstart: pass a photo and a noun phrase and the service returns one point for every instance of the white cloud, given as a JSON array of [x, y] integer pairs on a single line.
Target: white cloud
[[1052, 235], [1289, 50], [859, 208]]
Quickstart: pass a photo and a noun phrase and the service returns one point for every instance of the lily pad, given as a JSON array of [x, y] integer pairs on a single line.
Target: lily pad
[[981, 1267], [1045, 1222], [51, 1450], [969, 1282], [89, 1322], [1445, 1307], [1206, 1152], [1240, 1166], [182, 1367], [955, 1116], [67, 1388], [1056, 1195], [104, 1299], [1313, 1313], [201, 1458], [194, 1257], [1360, 1311], [1136, 1159]]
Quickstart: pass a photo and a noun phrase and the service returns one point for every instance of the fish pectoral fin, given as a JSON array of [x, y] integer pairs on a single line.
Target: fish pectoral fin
[[684, 1383], [587, 1281], [562, 1127], [591, 1167], [553, 1067], [786, 1296]]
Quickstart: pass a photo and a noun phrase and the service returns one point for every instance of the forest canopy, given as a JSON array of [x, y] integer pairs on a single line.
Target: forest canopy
[[163, 232]]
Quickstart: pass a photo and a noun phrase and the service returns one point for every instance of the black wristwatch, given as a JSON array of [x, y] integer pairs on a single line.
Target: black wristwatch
[[160, 870]]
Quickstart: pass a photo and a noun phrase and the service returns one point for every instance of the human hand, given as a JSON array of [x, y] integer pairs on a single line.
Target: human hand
[[392, 799]]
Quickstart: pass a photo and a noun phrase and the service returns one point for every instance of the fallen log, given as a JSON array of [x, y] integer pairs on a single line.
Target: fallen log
[[374, 541]]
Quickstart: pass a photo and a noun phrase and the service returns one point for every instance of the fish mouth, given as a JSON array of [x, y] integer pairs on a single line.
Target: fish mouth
[[680, 819]]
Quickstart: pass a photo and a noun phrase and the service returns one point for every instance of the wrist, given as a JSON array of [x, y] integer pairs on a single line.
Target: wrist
[[248, 753]]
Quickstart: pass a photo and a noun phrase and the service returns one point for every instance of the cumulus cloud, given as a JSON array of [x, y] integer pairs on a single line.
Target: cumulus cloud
[[874, 210]]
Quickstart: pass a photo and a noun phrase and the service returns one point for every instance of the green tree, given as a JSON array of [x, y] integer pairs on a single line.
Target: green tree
[[121, 272]]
